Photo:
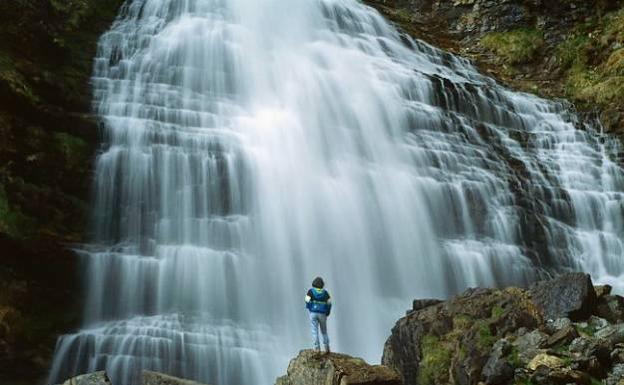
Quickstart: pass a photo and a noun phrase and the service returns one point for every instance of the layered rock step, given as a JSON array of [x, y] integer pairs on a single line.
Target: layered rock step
[[312, 368]]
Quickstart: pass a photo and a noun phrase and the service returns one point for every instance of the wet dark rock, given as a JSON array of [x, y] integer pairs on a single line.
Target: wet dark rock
[[611, 308], [602, 290], [423, 303], [311, 368], [570, 295], [562, 337], [530, 345], [97, 378], [155, 378], [497, 370]]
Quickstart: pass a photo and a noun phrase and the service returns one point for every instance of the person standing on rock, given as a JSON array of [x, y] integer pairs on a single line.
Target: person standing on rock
[[318, 303]]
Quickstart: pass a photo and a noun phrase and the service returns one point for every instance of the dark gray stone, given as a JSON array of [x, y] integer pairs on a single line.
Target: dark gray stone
[[570, 295], [497, 371], [424, 303], [97, 378], [611, 308], [562, 337], [155, 378]]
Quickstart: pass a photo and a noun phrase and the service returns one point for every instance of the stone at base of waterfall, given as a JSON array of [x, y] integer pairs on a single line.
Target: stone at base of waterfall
[[155, 378], [149, 378], [97, 378], [312, 368]]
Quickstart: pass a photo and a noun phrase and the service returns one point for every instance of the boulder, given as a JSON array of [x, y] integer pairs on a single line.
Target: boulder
[[542, 359], [562, 337], [570, 295], [614, 334], [497, 369], [616, 376], [155, 378], [311, 368], [560, 376], [553, 326], [611, 308], [424, 303], [97, 378], [530, 344], [602, 290]]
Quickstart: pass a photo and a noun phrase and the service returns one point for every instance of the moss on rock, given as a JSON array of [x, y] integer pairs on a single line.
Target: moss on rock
[[514, 47], [436, 361]]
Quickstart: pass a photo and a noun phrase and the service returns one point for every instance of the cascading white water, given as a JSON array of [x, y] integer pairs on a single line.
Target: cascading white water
[[254, 144]]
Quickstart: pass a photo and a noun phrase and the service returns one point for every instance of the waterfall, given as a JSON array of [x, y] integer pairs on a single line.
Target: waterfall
[[251, 145]]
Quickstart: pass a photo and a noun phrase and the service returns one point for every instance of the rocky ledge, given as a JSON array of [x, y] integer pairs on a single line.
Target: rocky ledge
[[311, 368], [562, 331], [149, 378]]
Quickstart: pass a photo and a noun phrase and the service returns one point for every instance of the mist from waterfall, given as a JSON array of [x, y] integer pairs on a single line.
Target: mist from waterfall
[[251, 145]]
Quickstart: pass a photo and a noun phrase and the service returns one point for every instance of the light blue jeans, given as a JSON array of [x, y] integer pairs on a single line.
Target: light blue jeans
[[316, 320]]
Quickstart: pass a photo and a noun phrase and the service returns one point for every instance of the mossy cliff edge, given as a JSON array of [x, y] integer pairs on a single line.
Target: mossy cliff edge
[[561, 331], [47, 143], [570, 49]]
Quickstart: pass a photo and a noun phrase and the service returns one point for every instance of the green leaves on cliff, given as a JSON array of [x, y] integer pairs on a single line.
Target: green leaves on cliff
[[12, 221], [514, 47], [593, 56], [435, 361]]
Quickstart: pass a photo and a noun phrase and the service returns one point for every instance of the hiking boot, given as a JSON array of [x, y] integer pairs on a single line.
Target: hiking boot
[[317, 350], [327, 349]]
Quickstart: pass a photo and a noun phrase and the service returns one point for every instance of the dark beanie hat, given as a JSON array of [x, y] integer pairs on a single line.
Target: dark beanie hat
[[318, 283]]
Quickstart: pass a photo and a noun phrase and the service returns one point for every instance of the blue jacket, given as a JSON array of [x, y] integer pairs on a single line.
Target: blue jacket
[[318, 301]]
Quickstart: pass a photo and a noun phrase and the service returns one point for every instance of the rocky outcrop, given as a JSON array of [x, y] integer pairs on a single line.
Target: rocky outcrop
[[155, 378], [571, 296], [149, 378], [311, 368], [549, 334], [97, 378]]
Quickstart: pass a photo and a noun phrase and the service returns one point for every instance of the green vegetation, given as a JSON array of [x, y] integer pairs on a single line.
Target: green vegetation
[[586, 330], [514, 358], [73, 149], [595, 381], [594, 60], [524, 382], [12, 221], [497, 312], [485, 339], [514, 47], [436, 360]]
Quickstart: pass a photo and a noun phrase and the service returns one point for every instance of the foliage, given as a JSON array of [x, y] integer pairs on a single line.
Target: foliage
[[436, 360], [12, 221], [514, 47], [485, 339], [514, 358], [497, 311], [594, 60], [73, 149]]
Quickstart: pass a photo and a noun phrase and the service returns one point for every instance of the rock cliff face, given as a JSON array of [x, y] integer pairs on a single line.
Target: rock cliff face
[[560, 331], [311, 368], [555, 48], [47, 143]]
